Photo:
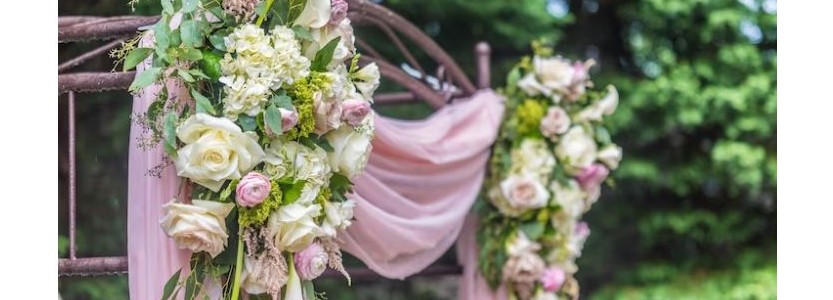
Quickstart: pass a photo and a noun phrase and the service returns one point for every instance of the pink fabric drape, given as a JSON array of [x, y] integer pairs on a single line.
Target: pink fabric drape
[[472, 284], [419, 185], [412, 200]]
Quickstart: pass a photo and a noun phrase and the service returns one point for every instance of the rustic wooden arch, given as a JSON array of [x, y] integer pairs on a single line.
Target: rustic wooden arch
[[453, 83]]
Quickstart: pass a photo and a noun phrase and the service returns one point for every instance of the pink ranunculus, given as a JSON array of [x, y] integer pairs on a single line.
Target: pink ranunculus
[[338, 11], [353, 111], [552, 278], [253, 189], [555, 122], [592, 176], [289, 118], [311, 262]]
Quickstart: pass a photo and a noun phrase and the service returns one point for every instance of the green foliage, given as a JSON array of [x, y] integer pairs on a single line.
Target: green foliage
[[324, 56]]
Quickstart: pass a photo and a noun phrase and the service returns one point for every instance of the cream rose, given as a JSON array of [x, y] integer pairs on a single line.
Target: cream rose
[[351, 150], [316, 14], [296, 160], [576, 149], [555, 73], [555, 122], [524, 192], [604, 107], [216, 150], [327, 116], [569, 196], [294, 226], [532, 87], [611, 155], [200, 226]]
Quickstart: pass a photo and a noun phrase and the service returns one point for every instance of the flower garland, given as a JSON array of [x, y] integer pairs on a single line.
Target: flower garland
[[546, 170], [275, 123]]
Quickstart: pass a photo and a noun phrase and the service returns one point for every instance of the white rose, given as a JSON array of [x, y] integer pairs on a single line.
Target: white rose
[[604, 107], [351, 150], [555, 122], [576, 149], [524, 192], [521, 244], [293, 226], [309, 193], [532, 87], [570, 197], [316, 14], [339, 216], [554, 73], [533, 157], [611, 155], [367, 80], [216, 150], [200, 226]]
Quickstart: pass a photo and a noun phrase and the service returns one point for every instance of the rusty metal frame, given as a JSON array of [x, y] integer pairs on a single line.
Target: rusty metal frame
[[362, 12]]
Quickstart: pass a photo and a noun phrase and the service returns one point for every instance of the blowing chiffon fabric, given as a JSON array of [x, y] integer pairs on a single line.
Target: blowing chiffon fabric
[[413, 198]]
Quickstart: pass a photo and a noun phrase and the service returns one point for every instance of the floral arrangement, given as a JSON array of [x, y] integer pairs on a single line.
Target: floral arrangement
[[275, 124], [546, 170]]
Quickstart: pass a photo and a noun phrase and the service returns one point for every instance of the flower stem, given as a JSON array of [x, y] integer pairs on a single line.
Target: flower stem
[[235, 289], [265, 12]]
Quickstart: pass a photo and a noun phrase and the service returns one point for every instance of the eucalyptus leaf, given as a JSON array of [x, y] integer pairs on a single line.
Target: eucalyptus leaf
[[273, 119], [167, 7], [218, 41], [145, 79], [247, 123], [191, 34], [533, 229], [135, 57], [203, 103], [189, 6], [324, 56], [184, 75], [167, 292], [170, 133], [189, 54], [281, 100]]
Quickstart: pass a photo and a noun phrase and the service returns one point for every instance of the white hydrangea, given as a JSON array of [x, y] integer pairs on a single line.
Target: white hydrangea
[[533, 158], [261, 63]]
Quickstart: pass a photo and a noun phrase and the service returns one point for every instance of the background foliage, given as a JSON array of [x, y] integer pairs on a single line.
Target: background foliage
[[692, 215]]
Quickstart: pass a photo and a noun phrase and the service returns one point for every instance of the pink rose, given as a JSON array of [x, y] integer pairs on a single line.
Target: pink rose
[[555, 122], [582, 230], [580, 80], [524, 192], [289, 118], [311, 262], [253, 189], [592, 176], [338, 11], [552, 278], [353, 111], [327, 116]]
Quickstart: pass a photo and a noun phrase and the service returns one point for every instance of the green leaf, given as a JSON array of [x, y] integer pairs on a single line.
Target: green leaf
[[170, 133], [176, 38], [322, 142], [247, 123], [324, 56], [302, 32], [218, 41], [292, 191], [229, 256], [309, 290], [161, 35], [167, 7], [170, 285], [198, 73], [281, 100], [203, 103], [229, 188], [284, 12], [191, 34], [184, 75], [135, 57], [189, 54], [533, 229], [273, 119], [145, 79], [210, 64], [189, 6], [339, 186]]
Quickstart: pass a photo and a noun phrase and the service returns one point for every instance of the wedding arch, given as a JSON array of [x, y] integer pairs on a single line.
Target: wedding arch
[[446, 83]]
